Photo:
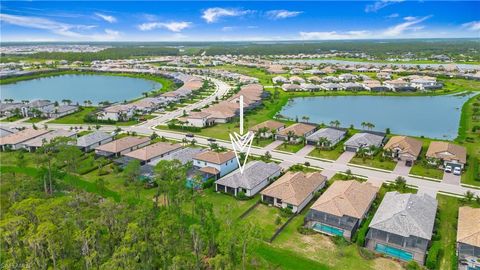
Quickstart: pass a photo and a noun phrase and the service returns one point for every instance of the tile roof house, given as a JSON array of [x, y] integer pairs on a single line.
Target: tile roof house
[[297, 131], [119, 112], [332, 137], [271, 126], [32, 144], [341, 208], [92, 140], [293, 190], [446, 154], [402, 226], [149, 152], [364, 140], [14, 140], [4, 131], [256, 175], [403, 148], [216, 164], [121, 146], [468, 237]]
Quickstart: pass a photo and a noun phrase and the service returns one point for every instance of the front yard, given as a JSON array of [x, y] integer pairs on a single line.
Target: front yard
[[376, 162], [332, 154], [427, 171], [289, 147]]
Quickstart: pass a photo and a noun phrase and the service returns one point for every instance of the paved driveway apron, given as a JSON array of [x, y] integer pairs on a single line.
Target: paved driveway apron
[[305, 150], [401, 168], [273, 145], [450, 178], [345, 157]]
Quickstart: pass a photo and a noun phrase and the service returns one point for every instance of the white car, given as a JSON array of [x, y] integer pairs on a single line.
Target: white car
[[448, 169], [457, 171]]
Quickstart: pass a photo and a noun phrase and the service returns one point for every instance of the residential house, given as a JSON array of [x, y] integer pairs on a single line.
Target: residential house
[[36, 108], [399, 85], [287, 87], [296, 132], [216, 164], [296, 80], [90, 141], [152, 151], [402, 226], [10, 109], [5, 131], [275, 69], [347, 77], [293, 190], [14, 141], [446, 154], [256, 175], [59, 111], [120, 112], [121, 146], [197, 119], [184, 155], [271, 127], [384, 76], [375, 86], [148, 105], [403, 148], [468, 238], [341, 208], [364, 140], [279, 80], [32, 144], [352, 86], [326, 137], [331, 86]]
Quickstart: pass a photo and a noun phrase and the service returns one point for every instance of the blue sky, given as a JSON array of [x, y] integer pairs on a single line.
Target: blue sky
[[234, 21]]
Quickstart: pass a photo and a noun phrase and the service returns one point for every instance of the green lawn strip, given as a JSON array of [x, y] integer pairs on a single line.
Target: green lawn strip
[[446, 230], [376, 162], [288, 147], [264, 217], [74, 118], [286, 259], [427, 171], [332, 154], [35, 120], [12, 118], [69, 179], [261, 142]]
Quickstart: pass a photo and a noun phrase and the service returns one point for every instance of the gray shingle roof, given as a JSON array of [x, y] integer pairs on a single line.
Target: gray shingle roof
[[92, 138], [332, 134], [406, 215], [365, 139], [254, 173], [183, 155]]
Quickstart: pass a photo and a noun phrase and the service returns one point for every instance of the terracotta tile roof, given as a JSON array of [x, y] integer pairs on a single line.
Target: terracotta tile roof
[[346, 198], [406, 144], [122, 144], [119, 108], [269, 124], [153, 150], [48, 137], [209, 170], [22, 136], [468, 231], [295, 187], [215, 157], [447, 151], [299, 129]]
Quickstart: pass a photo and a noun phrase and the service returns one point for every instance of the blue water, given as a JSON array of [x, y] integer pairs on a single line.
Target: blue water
[[79, 88], [394, 252], [429, 116], [328, 229]]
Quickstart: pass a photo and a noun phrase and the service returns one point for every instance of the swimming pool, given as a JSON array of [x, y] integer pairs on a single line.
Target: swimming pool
[[394, 252]]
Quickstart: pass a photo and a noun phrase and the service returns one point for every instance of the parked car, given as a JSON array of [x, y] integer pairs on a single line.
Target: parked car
[[448, 169], [211, 140], [189, 135], [457, 171]]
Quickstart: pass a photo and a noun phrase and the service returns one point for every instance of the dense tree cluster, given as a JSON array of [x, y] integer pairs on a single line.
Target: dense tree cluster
[[47, 223]]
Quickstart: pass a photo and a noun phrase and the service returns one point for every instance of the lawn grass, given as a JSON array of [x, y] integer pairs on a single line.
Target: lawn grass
[[264, 218], [290, 147], [35, 120], [262, 142], [376, 162], [74, 118], [227, 205], [286, 259], [332, 154], [427, 171], [12, 118], [447, 228]]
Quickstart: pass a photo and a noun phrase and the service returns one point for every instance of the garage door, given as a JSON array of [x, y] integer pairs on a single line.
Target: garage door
[[350, 149], [454, 165]]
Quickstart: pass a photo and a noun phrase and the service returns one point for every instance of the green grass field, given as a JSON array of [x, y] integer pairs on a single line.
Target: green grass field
[[375, 162], [332, 154], [74, 118]]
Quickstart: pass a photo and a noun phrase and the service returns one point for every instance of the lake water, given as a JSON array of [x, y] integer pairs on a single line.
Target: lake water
[[79, 88], [430, 116]]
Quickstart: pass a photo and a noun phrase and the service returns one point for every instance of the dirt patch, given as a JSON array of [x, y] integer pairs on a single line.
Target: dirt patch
[[387, 264]]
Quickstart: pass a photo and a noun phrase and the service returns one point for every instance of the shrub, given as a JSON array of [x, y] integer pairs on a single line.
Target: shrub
[[305, 231], [413, 265], [278, 220], [241, 196], [208, 184], [286, 212], [433, 256], [367, 254]]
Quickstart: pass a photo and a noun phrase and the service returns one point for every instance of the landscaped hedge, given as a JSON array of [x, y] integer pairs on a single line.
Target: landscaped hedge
[[433, 255], [184, 128]]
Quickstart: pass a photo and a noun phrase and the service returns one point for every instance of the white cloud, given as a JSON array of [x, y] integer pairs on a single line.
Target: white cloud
[[334, 35], [107, 18], [376, 6], [282, 14], [212, 15], [409, 24], [172, 26], [472, 26], [227, 28], [69, 31], [393, 15]]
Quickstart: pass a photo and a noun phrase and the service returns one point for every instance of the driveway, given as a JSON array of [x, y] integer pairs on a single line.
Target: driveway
[[375, 181], [450, 178], [329, 173], [305, 150], [273, 145], [429, 191], [401, 168], [345, 157], [285, 165]]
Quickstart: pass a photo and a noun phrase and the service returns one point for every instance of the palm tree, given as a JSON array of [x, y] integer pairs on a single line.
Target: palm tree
[[290, 135], [305, 118], [363, 124], [371, 126], [335, 123], [323, 142], [145, 94]]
